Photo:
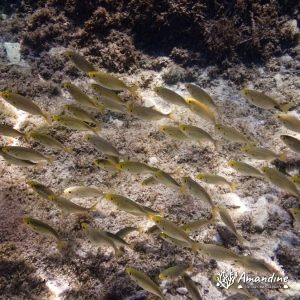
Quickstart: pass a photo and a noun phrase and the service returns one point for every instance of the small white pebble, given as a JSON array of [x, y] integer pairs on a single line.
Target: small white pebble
[[153, 160], [117, 122], [181, 290]]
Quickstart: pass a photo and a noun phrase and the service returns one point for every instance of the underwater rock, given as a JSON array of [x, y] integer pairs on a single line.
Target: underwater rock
[[13, 52]]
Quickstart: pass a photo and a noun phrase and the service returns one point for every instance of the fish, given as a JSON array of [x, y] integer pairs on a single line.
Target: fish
[[291, 142], [171, 229], [226, 218], [100, 238], [106, 165], [150, 181], [47, 140], [295, 212], [111, 82], [24, 104], [79, 96], [296, 179], [231, 134], [245, 169], [166, 179], [117, 240], [196, 190], [196, 225], [201, 110], [289, 121], [256, 265], [111, 104], [200, 95], [264, 101], [145, 282], [129, 206], [216, 179], [16, 161], [81, 191], [67, 206], [191, 287], [135, 167], [7, 130], [235, 288], [170, 96], [75, 124], [174, 272], [106, 93], [44, 229], [82, 115], [281, 181], [146, 113], [79, 61], [26, 154], [196, 134], [40, 189], [173, 132], [260, 153], [102, 145], [171, 240], [153, 229], [122, 233], [218, 253]]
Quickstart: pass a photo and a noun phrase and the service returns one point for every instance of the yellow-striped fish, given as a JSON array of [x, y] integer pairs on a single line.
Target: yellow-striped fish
[[199, 94], [201, 110], [25, 104], [79, 61], [112, 82]]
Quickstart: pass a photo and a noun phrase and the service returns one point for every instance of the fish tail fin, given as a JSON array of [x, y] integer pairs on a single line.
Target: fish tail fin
[[251, 144], [96, 130], [214, 213], [243, 241], [285, 107], [50, 160], [283, 156], [98, 124], [39, 165], [233, 186], [216, 145], [93, 207], [61, 245], [68, 149], [133, 89], [183, 189], [47, 117], [101, 108], [27, 136], [196, 247], [131, 246], [171, 116], [140, 230], [118, 252]]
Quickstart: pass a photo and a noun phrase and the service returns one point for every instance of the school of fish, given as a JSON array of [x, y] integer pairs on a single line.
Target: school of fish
[[77, 116]]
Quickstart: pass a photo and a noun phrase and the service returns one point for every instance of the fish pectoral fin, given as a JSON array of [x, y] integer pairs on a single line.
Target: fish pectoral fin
[[283, 156], [233, 186], [286, 106], [93, 207]]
